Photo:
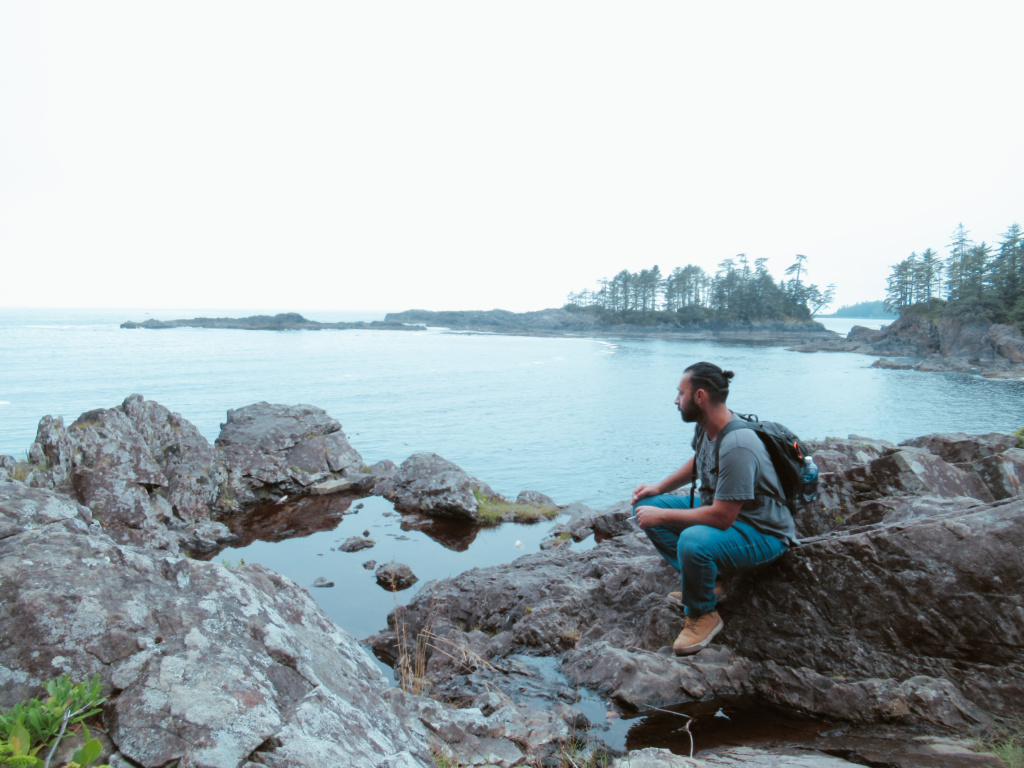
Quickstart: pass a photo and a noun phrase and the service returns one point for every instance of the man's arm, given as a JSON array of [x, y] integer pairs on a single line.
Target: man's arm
[[721, 514], [677, 479]]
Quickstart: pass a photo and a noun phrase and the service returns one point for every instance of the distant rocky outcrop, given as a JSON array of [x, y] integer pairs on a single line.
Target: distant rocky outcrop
[[949, 344], [287, 321], [562, 321]]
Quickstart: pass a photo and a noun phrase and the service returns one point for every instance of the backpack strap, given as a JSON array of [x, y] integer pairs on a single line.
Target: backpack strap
[[745, 421], [699, 432]]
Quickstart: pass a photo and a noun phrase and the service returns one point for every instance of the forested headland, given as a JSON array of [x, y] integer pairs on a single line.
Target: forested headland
[[867, 310], [975, 281], [737, 292]]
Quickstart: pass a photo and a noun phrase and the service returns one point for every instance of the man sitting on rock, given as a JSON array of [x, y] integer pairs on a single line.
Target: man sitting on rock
[[739, 520]]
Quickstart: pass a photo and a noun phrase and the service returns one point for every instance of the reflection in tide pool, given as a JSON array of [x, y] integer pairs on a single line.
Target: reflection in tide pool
[[356, 603]]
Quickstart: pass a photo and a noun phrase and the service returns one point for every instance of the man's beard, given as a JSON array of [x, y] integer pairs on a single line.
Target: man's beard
[[690, 412]]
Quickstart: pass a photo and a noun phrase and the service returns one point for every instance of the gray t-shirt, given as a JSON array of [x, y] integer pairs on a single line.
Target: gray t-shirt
[[745, 473]]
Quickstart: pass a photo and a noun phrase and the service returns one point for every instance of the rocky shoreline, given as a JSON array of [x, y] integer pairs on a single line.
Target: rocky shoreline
[[288, 321], [950, 344], [560, 322], [900, 618]]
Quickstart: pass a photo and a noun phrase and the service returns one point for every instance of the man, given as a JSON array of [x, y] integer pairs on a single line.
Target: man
[[738, 521]]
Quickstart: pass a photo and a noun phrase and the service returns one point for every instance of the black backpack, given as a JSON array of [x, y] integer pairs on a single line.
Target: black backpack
[[787, 453]]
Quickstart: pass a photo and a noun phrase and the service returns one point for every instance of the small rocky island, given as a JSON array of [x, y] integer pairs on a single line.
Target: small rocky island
[[287, 321], [899, 619]]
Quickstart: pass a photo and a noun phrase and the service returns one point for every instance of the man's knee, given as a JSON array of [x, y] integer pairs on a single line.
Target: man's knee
[[696, 542]]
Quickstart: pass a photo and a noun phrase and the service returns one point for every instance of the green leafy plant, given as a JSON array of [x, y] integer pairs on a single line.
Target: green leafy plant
[[31, 725], [1020, 437]]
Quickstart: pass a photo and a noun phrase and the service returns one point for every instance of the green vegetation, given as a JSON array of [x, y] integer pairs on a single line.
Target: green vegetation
[[30, 726], [869, 310], [689, 296], [1020, 437], [973, 282], [493, 511], [1007, 743]]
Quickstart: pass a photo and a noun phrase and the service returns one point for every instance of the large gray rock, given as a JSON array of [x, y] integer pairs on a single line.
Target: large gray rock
[[431, 485], [203, 664], [1002, 473], [917, 472], [271, 451], [146, 473]]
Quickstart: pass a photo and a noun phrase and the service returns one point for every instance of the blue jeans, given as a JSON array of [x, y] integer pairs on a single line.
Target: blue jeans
[[699, 552]]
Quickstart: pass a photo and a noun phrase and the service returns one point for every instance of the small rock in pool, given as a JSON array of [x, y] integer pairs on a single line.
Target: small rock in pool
[[366, 533], [370, 565], [356, 543], [358, 506], [322, 582], [395, 576]]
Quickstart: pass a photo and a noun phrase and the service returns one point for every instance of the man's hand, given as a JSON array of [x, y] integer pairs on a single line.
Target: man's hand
[[649, 516], [643, 491]]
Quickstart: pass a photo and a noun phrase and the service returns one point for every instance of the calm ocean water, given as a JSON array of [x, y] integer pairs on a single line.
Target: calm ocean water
[[579, 419]]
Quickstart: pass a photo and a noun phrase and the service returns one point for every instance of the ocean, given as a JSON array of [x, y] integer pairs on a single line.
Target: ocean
[[580, 419]]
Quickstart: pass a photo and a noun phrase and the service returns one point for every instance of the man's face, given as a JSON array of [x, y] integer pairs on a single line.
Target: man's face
[[685, 402]]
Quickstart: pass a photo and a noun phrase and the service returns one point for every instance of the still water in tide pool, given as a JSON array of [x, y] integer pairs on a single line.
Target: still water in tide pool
[[579, 419]]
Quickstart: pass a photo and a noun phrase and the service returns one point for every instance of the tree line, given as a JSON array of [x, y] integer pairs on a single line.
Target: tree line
[[974, 278], [738, 290]]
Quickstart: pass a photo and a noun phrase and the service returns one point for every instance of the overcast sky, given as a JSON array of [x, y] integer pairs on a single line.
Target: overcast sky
[[471, 155]]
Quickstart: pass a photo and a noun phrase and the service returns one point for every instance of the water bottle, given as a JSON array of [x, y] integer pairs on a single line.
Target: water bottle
[[810, 473]]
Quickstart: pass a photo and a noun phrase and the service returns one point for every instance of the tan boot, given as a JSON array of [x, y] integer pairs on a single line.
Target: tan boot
[[697, 632]]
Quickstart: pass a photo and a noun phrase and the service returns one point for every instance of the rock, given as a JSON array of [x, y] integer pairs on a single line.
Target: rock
[[1002, 473], [22, 508], [370, 565], [894, 509], [931, 599], [356, 543], [958, 447], [535, 497], [395, 576], [276, 450], [949, 344], [331, 486], [145, 472], [431, 485], [915, 472], [322, 582], [285, 321], [203, 664]]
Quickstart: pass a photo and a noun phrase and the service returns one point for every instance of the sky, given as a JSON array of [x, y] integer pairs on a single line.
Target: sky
[[388, 155]]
